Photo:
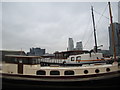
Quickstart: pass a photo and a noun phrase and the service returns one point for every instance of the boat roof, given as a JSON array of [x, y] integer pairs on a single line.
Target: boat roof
[[86, 54], [22, 56]]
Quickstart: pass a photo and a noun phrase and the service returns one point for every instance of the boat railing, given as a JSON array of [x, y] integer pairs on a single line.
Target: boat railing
[[49, 60]]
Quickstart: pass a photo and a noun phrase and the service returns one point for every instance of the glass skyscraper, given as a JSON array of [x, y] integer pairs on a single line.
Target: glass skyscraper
[[117, 38], [70, 44]]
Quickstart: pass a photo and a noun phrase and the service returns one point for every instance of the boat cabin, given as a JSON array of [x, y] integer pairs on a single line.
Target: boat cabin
[[20, 64], [89, 57], [22, 59], [76, 60]]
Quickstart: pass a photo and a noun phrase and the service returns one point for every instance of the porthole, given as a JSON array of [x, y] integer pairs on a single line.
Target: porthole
[[41, 72], [54, 73], [107, 69], [69, 72], [85, 71], [97, 70]]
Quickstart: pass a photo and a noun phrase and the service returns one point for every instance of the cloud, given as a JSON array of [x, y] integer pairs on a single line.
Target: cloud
[[48, 25]]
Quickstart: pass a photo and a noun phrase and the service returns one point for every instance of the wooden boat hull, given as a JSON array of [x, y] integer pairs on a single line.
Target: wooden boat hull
[[109, 80]]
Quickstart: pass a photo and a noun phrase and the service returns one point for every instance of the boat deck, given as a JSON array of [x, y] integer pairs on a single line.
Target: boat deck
[[75, 67]]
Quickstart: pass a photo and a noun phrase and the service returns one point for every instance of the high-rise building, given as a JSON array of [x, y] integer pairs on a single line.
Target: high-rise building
[[70, 44], [117, 38], [36, 51], [79, 46]]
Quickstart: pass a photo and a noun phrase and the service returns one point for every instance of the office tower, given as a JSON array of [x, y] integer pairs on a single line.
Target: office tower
[[36, 51], [79, 46], [70, 44], [117, 38]]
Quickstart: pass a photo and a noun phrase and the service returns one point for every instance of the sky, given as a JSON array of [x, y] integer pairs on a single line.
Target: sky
[[48, 25]]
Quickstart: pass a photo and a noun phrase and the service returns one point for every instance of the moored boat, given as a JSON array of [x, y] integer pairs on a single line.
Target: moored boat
[[77, 60], [27, 73]]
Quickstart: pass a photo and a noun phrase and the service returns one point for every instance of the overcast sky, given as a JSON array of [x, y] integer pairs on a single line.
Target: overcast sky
[[49, 25]]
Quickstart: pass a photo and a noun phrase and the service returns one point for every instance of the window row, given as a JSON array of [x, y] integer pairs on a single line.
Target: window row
[[77, 58], [55, 72], [68, 72]]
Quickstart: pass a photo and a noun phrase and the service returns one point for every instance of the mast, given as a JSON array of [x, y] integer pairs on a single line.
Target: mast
[[94, 29], [113, 31]]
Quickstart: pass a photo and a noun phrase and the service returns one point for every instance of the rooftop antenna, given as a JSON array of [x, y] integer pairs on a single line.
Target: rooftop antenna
[[113, 31]]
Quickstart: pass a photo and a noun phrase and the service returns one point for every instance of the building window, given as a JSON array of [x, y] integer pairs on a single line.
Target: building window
[[72, 59], [41, 72], [69, 72], [54, 73]]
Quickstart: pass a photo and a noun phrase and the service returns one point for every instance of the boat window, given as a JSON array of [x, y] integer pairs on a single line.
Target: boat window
[[86, 71], [33, 61], [107, 69], [78, 58], [69, 72], [41, 72], [16, 61], [97, 70], [54, 73], [20, 61], [72, 59]]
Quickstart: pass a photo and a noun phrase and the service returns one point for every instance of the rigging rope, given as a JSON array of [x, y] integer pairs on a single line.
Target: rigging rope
[[102, 15], [96, 25], [89, 39], [84, 34]]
